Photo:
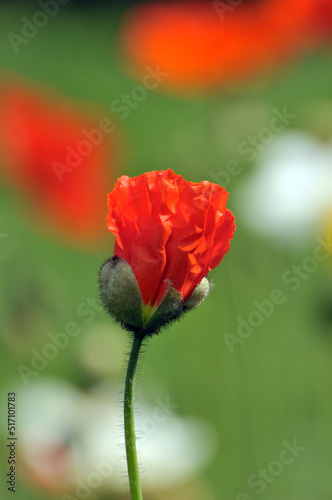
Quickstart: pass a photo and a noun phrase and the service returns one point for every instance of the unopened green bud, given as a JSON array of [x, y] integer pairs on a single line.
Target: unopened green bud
[[121, 297]]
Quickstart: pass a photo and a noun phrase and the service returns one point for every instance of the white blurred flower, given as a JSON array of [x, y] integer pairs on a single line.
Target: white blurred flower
[[291, 188], [73, 442], [46, 420]]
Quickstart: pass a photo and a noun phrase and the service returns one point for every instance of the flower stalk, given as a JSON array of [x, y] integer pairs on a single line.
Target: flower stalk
[[129, 422], [169, 233]]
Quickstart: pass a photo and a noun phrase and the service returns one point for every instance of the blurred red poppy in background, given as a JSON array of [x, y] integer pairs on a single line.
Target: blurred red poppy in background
[[59, 159], [206, 45], [321, 19], [170, 231]]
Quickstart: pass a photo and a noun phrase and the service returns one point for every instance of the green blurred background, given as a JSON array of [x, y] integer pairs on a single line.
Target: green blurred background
[[276, 385]]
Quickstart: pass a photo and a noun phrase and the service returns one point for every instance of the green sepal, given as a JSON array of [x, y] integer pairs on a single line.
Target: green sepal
[[170, 309], [120, 294], [199, 294], [121, 297]]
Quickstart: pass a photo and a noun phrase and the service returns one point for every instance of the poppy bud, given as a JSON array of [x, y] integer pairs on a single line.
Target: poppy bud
[[121, 297]]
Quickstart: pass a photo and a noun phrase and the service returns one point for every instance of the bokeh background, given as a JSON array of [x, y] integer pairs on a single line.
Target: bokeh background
[[234, 400]]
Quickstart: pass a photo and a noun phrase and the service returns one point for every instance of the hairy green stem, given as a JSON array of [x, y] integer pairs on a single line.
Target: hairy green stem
[[129, 424]]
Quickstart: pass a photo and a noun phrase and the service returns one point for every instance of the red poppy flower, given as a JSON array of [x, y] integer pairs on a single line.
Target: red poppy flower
[[205, 45], [170, 231], [321, 19], [55, 155]]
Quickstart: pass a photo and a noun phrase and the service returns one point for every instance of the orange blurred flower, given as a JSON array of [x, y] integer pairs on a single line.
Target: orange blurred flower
[[57, 157], [205, 45]]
